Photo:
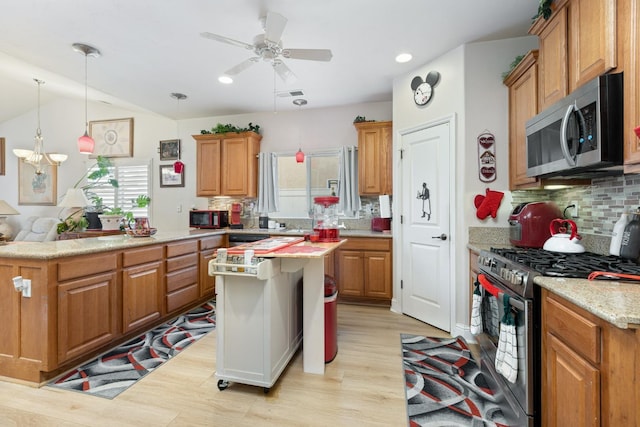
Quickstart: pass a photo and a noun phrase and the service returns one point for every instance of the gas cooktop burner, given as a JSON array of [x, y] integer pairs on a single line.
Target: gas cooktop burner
[[567, 265]]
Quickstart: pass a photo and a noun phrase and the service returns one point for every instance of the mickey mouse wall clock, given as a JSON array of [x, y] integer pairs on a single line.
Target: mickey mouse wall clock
[[423, 89]]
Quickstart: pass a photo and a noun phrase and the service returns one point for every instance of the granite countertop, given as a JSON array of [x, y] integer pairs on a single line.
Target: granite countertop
[[64, 248], [614, 301]]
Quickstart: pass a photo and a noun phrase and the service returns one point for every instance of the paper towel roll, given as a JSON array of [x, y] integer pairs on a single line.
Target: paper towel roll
[[385, 206]]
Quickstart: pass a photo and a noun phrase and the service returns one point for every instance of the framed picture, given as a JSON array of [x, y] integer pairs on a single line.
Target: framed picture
[[2, 156], [114, 138], [36, 189], [168, 177], [170, 149]]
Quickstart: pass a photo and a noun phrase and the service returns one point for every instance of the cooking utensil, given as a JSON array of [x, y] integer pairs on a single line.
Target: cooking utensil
[[610, 275], [560, 240]]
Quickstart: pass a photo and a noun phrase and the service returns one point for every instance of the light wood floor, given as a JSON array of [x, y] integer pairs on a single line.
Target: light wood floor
[[362, 386]]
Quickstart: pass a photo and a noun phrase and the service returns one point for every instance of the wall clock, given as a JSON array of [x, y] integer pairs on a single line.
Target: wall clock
[[423, 89]]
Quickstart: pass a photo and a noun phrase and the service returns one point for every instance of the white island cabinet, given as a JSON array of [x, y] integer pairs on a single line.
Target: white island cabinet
[[258, 321]]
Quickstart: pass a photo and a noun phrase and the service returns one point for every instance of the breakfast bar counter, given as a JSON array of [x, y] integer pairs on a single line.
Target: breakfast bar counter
[[88, 295]]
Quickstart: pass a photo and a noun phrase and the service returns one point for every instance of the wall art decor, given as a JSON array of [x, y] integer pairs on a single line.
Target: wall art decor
[[169, 178], [34, 189], [486, 157], [170, 149], [114, 138]]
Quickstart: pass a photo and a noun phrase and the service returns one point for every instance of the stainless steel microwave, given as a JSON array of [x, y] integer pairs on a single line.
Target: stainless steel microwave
[[208, 218], [580, 135]]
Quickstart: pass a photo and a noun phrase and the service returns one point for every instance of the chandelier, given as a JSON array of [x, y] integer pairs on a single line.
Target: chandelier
[[38, 157]]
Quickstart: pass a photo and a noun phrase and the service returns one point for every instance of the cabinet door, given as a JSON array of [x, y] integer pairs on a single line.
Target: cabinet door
[[141, 295], [351, 274], [571, 387], [374, 158], [552, 62], [207, 283], [87, 315], [592, 40], [235, 154], [208, 168], [522, 106], [377, 274]]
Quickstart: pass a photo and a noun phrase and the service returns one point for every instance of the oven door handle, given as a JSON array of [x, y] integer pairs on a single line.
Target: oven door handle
[[485, 283]]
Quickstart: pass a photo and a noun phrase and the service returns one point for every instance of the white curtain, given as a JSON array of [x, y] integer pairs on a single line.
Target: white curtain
[[267, 183], [348, 187]]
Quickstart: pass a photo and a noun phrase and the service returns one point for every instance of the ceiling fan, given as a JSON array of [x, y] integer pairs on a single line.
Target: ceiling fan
[[268, 47]]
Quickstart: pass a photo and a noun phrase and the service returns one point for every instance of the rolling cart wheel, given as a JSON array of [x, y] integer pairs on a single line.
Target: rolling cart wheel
[[266, 390], [222, 384]]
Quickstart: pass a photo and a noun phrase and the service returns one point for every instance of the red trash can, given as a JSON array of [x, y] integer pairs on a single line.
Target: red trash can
[[330, 318]]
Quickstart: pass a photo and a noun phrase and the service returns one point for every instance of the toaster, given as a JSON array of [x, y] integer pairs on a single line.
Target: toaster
[[380, 224], [529, 223]]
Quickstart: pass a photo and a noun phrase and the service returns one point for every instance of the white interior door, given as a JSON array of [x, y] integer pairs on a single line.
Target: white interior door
[[426, 263]]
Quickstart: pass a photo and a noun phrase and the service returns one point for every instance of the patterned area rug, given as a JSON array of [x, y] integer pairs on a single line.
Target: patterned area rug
[[445, 387], [114, 372]]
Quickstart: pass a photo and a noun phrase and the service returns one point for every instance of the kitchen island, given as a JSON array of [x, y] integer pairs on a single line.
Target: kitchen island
[[88, 295]]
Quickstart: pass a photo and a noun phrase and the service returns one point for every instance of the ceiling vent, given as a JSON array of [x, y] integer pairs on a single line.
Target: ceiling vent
[[288, 93]]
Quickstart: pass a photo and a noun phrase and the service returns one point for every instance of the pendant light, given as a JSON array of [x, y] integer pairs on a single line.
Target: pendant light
[[300, 155], [36, 156], [86, 144], [178, 166]]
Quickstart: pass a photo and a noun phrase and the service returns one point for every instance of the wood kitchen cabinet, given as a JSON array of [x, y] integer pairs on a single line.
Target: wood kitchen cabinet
[[577, 44], [181, 279], [523, 105], [227, 164], [474, 270], [208, 248], [87, 304], [142, 301], [375, 158], [589, 368], [629, 46], [363, 271]]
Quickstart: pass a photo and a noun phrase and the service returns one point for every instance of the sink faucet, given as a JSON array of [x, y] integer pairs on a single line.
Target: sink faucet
[[341, 225]]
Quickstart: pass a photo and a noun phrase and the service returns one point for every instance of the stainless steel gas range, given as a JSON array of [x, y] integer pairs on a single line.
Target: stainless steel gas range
[[511, 271]]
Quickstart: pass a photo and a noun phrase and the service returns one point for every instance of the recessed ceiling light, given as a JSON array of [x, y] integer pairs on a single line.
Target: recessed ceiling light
[[404, 57], [225, 80]]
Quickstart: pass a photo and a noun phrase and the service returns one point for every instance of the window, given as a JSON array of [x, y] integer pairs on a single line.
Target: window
[[133, 180], [299, 183]]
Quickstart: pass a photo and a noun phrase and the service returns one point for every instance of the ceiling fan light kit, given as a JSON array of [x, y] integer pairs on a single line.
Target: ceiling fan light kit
[[86, 144], [268, 47]]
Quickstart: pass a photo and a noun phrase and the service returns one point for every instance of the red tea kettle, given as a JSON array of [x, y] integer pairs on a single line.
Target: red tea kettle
[[560, 240]]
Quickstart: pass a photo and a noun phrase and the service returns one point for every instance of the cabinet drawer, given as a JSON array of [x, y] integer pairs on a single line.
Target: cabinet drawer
[[180, 262], [87, 266], [367, 244], [211, 242], [182, 297], [577, 331], [182, 278], [141, 256], [181, 248]]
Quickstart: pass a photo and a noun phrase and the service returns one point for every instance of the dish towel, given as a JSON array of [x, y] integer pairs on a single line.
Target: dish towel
[[476, 314], [507, 354]]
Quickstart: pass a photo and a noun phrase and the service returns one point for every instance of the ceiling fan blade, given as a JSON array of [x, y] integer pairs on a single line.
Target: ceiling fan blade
[[274, 26], [227, 40], [241, 66], [284, 72], [308, 54]]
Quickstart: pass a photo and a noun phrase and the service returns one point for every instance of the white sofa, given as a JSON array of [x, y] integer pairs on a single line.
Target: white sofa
[[38, 229]]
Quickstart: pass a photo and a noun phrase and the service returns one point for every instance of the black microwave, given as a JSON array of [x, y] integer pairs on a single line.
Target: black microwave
[[208, 219], [581, 135]]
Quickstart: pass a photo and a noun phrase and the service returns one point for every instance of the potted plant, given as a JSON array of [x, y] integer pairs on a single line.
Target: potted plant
[[94, 176], [118, 218]]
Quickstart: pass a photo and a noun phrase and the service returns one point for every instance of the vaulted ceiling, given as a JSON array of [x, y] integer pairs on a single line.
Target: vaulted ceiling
[[151, 48]]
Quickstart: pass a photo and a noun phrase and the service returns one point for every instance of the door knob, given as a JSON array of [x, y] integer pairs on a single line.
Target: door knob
[[441, 237]]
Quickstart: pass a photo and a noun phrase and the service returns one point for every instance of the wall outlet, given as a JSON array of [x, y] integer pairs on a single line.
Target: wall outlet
[[573, 212]]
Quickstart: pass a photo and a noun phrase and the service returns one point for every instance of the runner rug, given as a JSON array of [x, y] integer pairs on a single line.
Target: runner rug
[[120, 368], [444, 385]]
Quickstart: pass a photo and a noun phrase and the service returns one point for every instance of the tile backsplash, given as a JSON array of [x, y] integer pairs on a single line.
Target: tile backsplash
[[599, 204]]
